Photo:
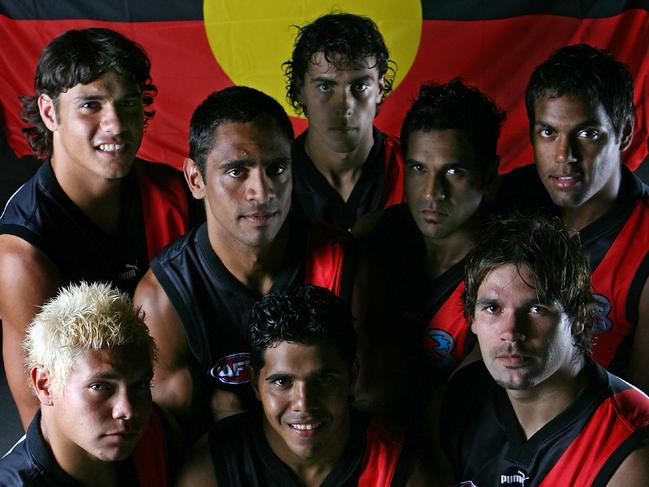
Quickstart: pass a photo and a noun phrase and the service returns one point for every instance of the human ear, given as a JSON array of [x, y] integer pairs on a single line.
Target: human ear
[[48, 111], [627, 135], [194, 178], [43, 386]]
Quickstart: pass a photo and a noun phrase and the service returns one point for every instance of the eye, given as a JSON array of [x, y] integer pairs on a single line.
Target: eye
[[538, 309], [455, 171], [491, 309], [101, 387], [360, 87], [131, 103], [283, 382], [326, 379], [276, 169], [416, 166], [91, 105], [324, 87], [590, 134], [545, 132], [235, 172]]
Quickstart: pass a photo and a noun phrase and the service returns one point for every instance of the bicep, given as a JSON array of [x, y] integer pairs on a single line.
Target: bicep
[[639, 363], [172, 382], [634, 470], [27, 280]]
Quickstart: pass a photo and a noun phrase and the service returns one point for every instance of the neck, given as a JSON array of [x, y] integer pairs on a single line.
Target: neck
[[98, 199], [537, 406], [312, 471], [76, 463], [341, 169], [253, 266], [444, 253]]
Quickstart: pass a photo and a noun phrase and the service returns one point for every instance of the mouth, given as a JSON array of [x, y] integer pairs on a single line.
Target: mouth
[[306, 430], [260, 218], [111, 149], [567, 181], [431, 215], [512, 360]]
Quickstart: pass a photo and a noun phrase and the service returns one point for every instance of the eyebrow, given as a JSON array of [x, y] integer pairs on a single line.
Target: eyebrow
[[585, 123]]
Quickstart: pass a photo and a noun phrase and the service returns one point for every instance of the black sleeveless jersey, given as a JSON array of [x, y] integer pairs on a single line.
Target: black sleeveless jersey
[[583, 445], [42, 214], [374, 456], [379, 185], [214, 306]]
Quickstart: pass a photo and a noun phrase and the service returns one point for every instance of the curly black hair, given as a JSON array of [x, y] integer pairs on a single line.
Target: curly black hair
[[345, 40], [455, 105], [555, 258], [233, 104], [303, 314], [80, 57], [585, 71]]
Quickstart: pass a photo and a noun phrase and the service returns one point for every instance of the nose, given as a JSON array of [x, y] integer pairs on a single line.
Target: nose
[[345, 102], [111, 122], [303, 398], [258, 188], [435, 188], [512, 327], [123, 407], [565, 150]]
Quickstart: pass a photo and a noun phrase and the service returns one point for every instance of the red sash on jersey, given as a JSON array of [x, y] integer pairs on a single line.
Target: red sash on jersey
[[164, 206], [394, 172], [150, 454], [382, 451], [612, 423], [325, 258], [613, 276], [449, 320]]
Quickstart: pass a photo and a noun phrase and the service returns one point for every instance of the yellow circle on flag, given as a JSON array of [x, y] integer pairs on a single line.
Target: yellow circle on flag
[[251, 39]]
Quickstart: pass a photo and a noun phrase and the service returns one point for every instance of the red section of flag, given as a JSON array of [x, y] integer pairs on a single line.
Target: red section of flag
[[495, 55]]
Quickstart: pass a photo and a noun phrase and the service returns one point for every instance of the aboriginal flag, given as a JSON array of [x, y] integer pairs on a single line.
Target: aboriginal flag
[[200, 46]]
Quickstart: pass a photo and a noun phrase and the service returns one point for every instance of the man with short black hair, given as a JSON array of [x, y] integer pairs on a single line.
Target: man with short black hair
[[302, 371], [538, 410], [200, 289], [338, 75], [580, 106], [93, 211]]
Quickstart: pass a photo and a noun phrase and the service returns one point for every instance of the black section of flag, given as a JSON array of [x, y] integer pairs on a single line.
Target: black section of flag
[[104, 10], [500, 9], [164, 10]]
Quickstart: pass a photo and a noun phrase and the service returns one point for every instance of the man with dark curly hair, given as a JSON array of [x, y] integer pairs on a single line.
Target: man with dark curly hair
[[338, 75], [306, 433], [93, 211], [538, 410]]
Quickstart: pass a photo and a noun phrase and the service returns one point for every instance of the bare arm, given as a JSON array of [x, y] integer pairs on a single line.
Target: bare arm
[[27, 280], [634, 470], [639, 363], [197, 470], [173, 381]]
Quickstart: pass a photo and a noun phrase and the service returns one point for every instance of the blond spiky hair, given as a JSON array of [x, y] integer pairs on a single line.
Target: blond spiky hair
[[79, 318]]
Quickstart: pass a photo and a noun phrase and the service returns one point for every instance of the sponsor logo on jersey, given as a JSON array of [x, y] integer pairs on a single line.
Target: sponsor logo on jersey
[[514, 477], [231, 369], [440, 345], [130, 272], [603, 309]]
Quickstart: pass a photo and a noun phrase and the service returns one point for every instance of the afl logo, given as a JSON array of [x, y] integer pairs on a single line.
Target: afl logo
[[603, 309], [440, 345], [231, 369]]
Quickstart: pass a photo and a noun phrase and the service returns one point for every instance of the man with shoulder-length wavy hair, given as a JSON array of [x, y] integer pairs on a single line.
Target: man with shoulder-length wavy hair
[[538, 410], [93, 211], [89, 357], [338, 75]]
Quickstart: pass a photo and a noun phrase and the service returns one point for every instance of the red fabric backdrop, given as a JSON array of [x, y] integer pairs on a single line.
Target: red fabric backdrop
[[495, 54]]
